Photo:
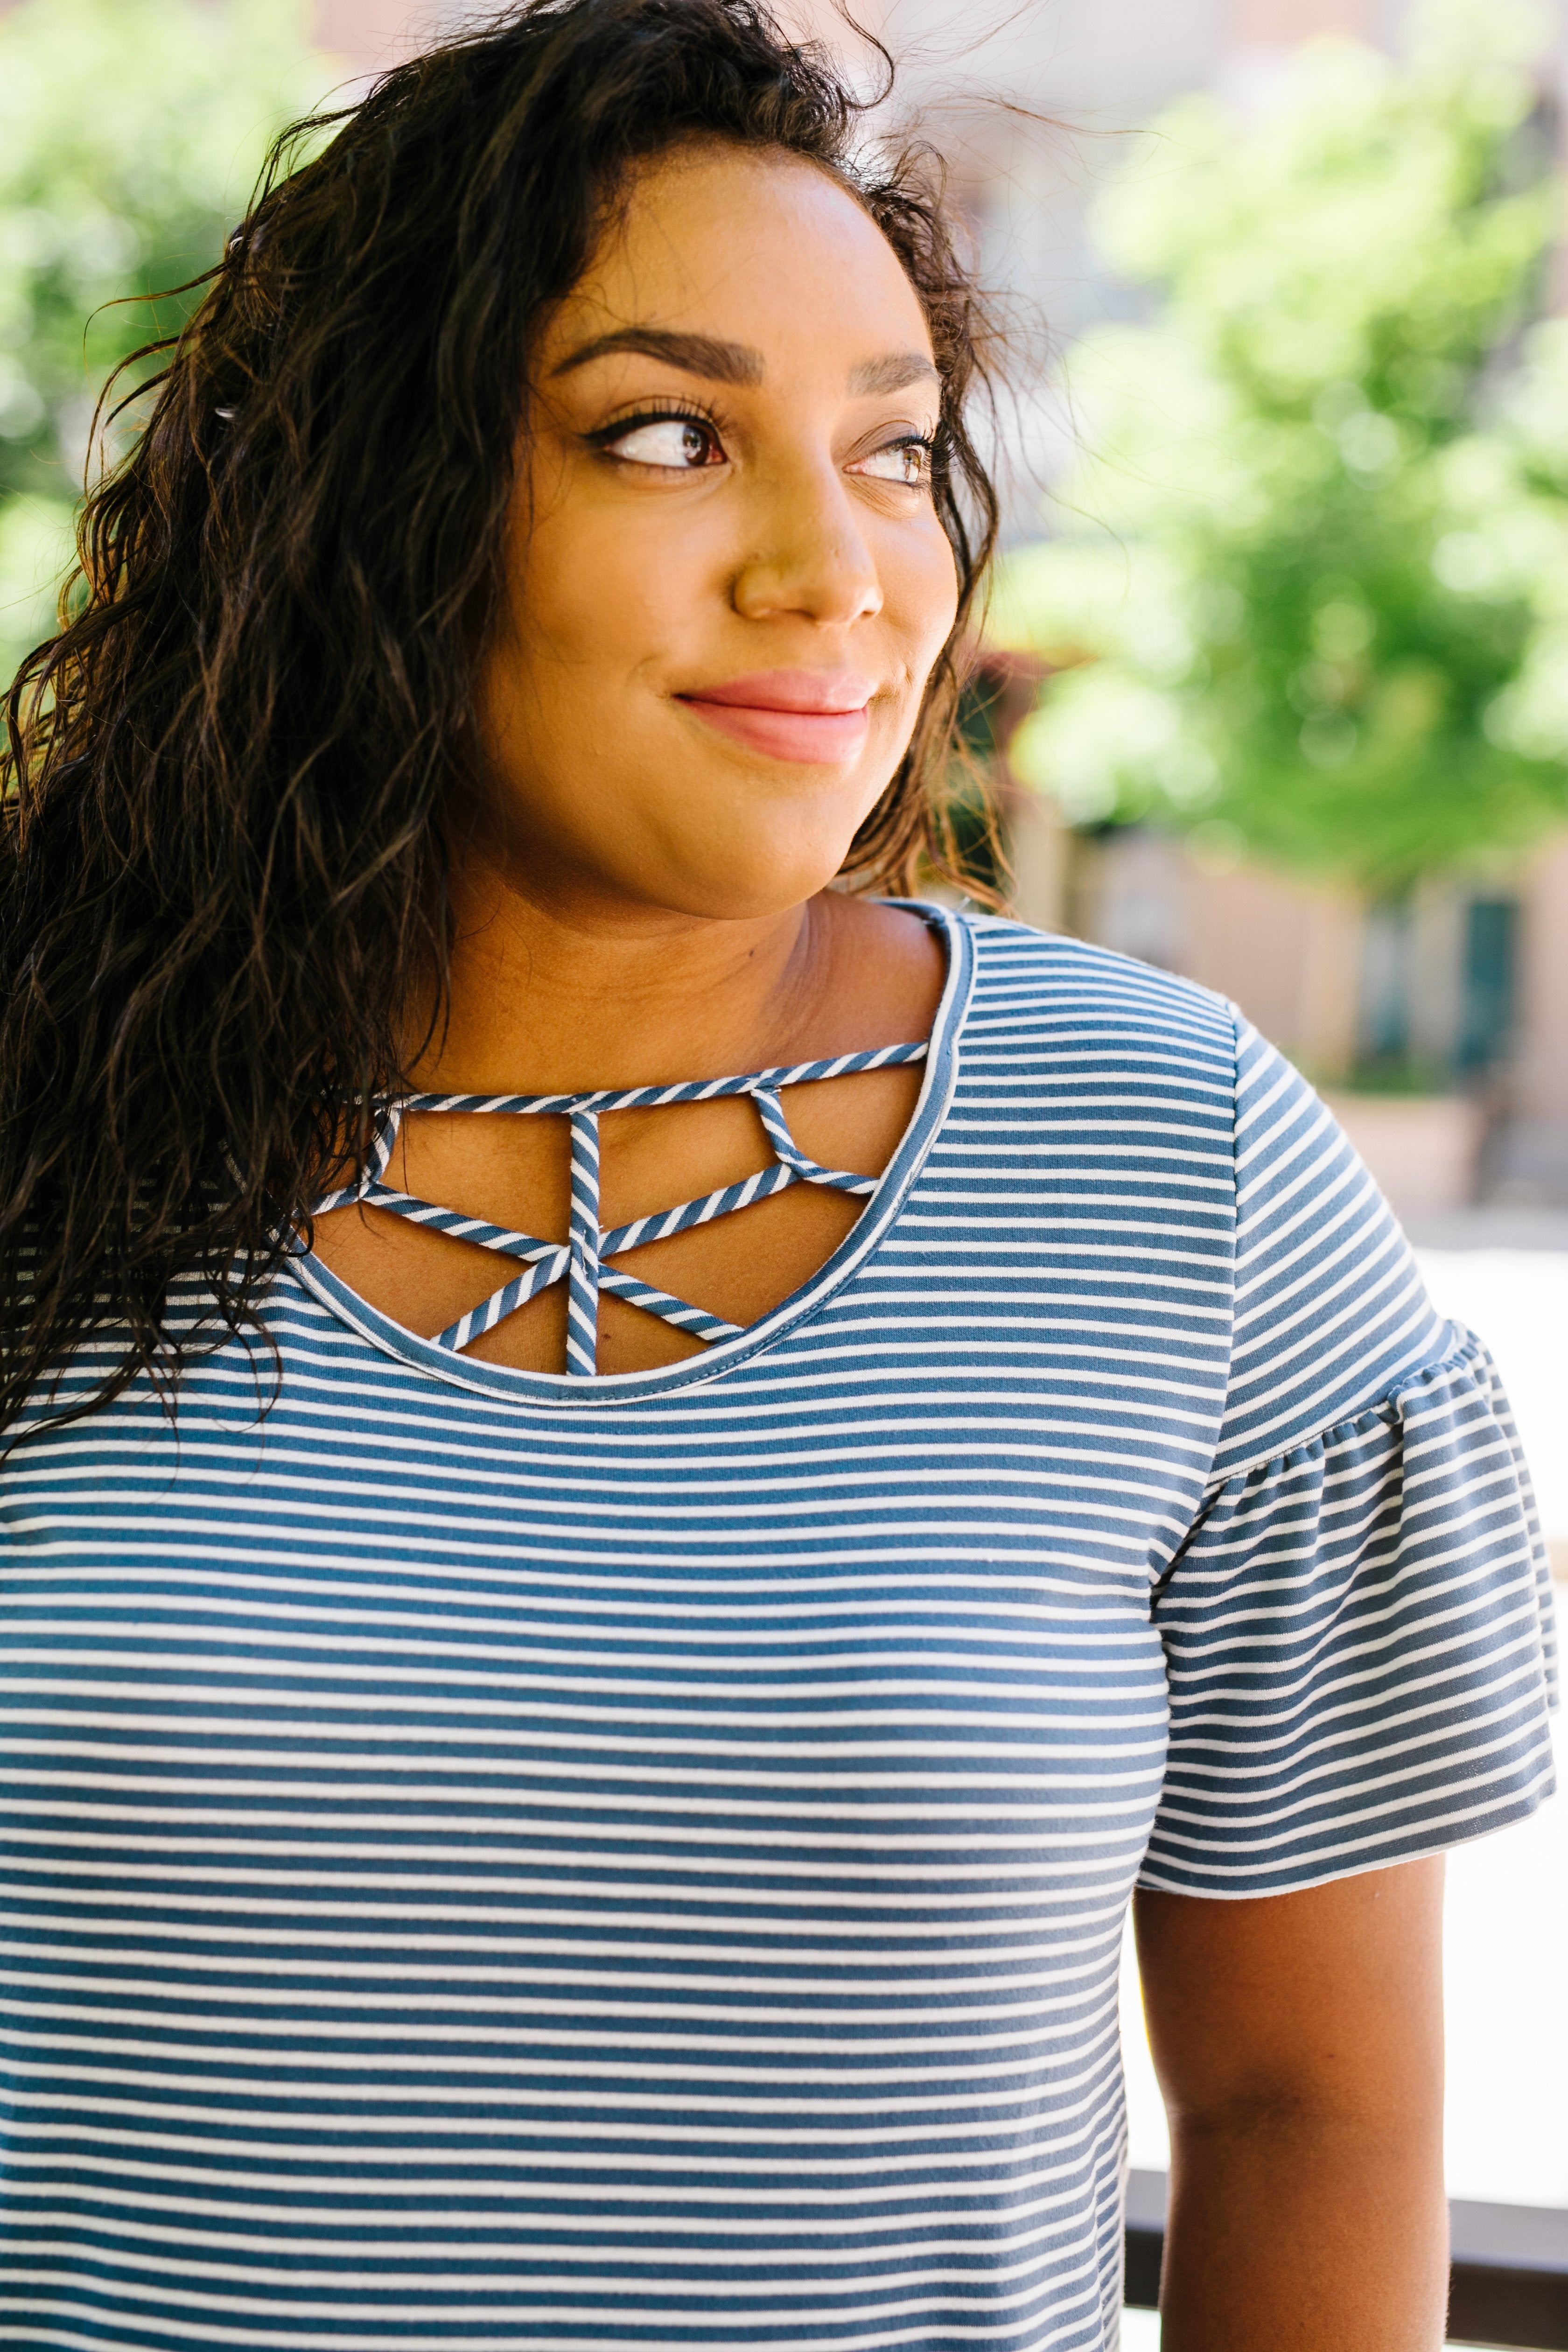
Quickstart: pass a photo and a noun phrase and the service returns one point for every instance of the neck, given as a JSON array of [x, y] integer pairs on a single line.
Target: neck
[[546, 999]]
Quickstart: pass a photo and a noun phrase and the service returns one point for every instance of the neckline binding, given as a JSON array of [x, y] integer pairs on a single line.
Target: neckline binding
[[579, 1260]]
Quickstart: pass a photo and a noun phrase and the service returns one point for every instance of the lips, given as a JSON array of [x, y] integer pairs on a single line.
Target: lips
[[816, 718]]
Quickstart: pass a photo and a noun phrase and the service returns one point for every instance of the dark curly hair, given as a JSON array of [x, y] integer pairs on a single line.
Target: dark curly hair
[[223, 861]]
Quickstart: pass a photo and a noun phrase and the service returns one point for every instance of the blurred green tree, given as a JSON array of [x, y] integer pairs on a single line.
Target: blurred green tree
[[130, 133], [1308, 585]]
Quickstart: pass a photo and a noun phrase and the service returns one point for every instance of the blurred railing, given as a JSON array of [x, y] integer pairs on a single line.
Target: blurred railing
[[1508, 2285]]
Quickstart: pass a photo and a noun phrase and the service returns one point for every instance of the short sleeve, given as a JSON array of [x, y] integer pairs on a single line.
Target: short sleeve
[[1357, 1625]]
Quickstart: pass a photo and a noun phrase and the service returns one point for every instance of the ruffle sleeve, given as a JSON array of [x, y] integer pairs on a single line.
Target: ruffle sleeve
[[1359, 1645]]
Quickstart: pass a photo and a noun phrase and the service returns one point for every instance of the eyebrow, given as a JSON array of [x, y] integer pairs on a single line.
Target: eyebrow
[[737, 363], [693, 354], [892, 373]]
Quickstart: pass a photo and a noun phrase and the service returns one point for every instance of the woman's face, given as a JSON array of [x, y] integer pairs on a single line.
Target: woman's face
[[729, 583]]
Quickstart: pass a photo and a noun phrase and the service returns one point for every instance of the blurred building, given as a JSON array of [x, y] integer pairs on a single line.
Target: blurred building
[[373, 32], [1461, 989]]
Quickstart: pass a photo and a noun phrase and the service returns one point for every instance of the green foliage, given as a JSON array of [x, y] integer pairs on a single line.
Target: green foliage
[[1309, 589], [131, 134]]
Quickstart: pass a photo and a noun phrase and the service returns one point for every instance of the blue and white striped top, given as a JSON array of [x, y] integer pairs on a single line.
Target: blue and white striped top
[[499, 1859]]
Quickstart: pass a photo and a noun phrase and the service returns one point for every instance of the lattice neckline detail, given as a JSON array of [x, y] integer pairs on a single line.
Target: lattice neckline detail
[[579, 1261]]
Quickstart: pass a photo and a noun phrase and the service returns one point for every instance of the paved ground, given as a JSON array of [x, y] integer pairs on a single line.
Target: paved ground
[[1140, 2331], [1505, 1273]]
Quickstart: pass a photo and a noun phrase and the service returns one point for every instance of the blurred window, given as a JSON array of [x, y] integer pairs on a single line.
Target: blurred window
[[1491, 938], [1385, 1023]]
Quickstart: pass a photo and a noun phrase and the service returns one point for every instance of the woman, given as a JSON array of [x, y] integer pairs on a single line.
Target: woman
[[644, 1481]]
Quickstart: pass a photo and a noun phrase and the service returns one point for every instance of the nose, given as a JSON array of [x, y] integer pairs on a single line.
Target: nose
[[812, 560]]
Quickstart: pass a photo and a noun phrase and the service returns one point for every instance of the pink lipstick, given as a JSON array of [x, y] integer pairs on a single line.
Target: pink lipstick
[[817, 717]]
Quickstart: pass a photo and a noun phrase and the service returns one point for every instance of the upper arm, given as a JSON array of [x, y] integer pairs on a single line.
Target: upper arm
[[1329, 2000]]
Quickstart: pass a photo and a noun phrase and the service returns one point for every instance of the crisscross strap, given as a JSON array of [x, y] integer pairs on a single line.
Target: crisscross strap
[[580, 1261]]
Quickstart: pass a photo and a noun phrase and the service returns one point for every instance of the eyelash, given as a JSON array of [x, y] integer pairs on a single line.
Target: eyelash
[[691, 413], [924, 443], [659, 412]]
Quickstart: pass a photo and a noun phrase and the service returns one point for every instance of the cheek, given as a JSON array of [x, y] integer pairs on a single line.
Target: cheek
[[921, 584], [590, 594]]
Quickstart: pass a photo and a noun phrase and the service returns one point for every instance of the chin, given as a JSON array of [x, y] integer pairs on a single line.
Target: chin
[[752, 885], [734, 856], [737, 898]]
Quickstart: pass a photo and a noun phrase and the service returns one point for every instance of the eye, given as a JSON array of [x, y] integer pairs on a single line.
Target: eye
[[902, 461], [677, 444]]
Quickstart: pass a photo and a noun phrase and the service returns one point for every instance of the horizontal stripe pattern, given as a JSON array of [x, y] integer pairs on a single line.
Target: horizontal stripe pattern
[[494, 1859]]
